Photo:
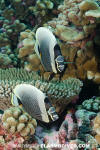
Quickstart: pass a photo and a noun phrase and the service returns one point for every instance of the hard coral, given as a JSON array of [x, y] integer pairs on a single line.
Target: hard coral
[[75, 27], [91, 8], [5, 60], [16, 120], [68, 33], [60, 93], [26, 43], [96, 127], [92, 104], [12, 30], [42, 7], [26, 50]]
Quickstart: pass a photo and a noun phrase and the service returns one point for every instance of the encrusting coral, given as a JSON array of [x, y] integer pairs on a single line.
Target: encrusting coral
[[16, 120], [60, 93], [75, 28]]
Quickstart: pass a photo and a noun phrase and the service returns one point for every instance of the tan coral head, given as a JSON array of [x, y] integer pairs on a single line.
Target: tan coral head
[[34, 101]]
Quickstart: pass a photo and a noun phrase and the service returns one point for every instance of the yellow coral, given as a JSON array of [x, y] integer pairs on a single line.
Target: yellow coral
[[23, 118], [16, 120], [88, 5], [93, 13], [27, 42], [26, 50], [68, 33], [33, 59]]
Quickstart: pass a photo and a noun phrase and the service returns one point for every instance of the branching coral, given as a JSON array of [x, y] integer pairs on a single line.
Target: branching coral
[[14, 6], [42, 7], [16, 120], [60, 93], [15, 17], [92, 104], [4, 60], [8, 39], [91, 8], [74, 13], [26, 50], [7, 57], [12, 30], [11, 139]]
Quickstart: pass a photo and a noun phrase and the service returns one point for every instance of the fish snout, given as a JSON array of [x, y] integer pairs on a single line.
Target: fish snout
[[60, 63]]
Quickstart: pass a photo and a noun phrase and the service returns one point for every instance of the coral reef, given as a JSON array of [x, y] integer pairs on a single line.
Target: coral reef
[[4, 60], [92, 104], [60, 93], [8, 39], [42, 7], [18, 15], [71, 133], [78, 128], [75, 27], [16, 120], [16, 141], [26, 43], [96, 127], [26, 50], [57, 138]]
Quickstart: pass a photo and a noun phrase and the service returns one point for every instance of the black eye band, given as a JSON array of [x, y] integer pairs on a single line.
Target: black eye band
[[57, 51], [19, 102], [47, 103], [51, 110]]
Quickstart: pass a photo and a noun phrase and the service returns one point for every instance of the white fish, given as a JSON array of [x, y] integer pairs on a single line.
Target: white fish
[[49, 51], [34, 102]]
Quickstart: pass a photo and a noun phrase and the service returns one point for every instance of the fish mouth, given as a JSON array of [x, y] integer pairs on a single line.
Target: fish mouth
[[52, 113], [61, 68]]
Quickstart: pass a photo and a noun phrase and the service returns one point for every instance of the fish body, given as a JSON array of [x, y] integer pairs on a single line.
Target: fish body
[[33, 101], [48, 51]]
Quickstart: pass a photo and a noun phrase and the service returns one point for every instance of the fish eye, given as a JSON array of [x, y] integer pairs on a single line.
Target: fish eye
[[57, 47], [46, 100]]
